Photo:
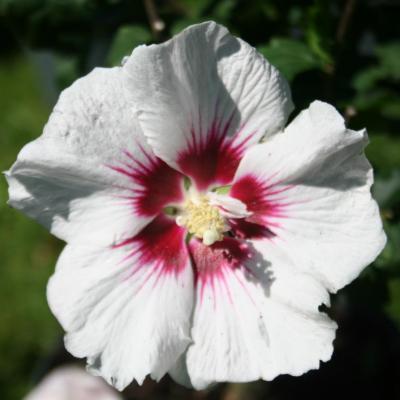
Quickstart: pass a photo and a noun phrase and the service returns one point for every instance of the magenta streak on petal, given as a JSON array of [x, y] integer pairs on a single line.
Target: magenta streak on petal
[[213, 263], [212, 158], [260, 198], [243, 229], [160, 248], [155, 183]]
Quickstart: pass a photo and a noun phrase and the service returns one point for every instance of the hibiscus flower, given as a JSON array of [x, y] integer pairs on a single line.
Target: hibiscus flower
[[72, 383], [202, 235]]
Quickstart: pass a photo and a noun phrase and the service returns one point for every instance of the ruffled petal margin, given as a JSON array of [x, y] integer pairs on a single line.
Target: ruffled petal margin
[[203, 98], [127, 308], [255, 317], [91, 177], [310, 187]]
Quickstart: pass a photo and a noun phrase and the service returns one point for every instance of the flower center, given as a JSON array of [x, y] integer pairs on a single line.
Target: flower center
[[202, 220]]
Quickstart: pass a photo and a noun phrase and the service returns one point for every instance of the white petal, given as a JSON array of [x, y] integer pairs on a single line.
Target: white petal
[[255, 318], [72, 383], [229, 206], [203, 97], [127, 308], [179, 372], [310, 186], [76, 179]]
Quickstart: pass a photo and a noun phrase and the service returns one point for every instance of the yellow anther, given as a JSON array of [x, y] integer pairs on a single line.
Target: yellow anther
[[202, 220]]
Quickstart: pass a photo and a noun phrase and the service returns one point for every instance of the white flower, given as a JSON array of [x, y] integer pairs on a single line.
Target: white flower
[[219, 279], [72, 383]]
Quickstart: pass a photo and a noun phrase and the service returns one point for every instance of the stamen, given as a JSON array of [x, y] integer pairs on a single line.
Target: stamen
[[202, 220]]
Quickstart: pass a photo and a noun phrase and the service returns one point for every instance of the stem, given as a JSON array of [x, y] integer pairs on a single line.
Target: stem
[[157, 25], [345, 20]]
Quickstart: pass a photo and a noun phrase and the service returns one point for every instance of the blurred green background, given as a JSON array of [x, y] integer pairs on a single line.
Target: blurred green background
[[344, 52]]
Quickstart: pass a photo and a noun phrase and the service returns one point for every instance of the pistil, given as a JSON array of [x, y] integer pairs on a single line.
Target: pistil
[[202, 220]]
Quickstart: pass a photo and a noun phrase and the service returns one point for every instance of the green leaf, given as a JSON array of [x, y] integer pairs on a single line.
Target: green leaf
[[389, 58], [388, 68], [183, 23], [392, 108], [66, 70], [381, 100], [194, 8], [223, 10], [387, 190], [126, 39], [389, 259], [290, 56], [28, 254], [383, 151], [367, 78], [319, 31], [393, 306]]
